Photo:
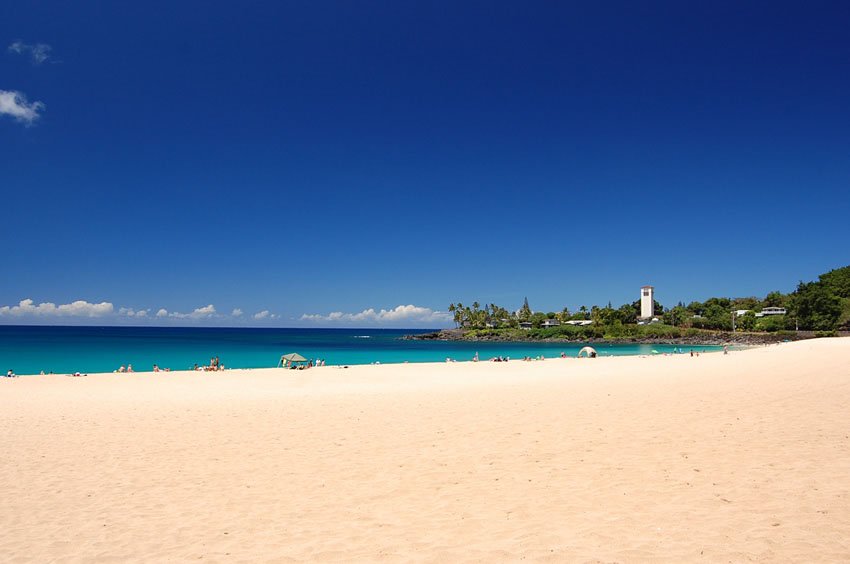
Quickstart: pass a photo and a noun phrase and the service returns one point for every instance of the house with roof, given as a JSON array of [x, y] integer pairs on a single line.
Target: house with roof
[[771, 311]]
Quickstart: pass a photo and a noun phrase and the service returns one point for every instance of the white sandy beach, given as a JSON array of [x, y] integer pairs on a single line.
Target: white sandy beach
[[739, 457]]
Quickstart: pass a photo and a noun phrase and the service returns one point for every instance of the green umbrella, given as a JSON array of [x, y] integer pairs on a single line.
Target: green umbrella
[[291, 357]]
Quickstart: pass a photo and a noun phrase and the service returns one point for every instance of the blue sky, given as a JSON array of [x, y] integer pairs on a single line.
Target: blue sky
[[307, 158]]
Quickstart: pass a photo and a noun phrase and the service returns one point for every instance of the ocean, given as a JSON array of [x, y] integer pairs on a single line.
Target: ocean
[[33, 349]]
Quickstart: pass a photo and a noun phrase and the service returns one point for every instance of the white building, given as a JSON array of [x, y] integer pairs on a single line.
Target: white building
[[647, 302], [771, 311]]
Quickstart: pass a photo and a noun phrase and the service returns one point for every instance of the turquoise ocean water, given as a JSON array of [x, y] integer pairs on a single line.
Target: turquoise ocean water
[[30, 350]]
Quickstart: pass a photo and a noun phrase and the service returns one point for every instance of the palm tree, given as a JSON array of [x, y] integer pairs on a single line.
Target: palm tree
[[563, 315], [596, 315], [459, 314]]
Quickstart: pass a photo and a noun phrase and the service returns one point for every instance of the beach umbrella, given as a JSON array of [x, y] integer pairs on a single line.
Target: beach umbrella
[[291, 357], [589, 351]]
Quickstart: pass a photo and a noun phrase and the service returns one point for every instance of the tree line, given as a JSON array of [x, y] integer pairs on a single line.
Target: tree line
[[821, 305]]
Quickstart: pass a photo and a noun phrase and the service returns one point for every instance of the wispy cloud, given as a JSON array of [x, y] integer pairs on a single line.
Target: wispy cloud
[[130, 312], [236, 312], [79, 308], [205, 312], [38, 52], [15, 104], [265, 314], [410, 314]]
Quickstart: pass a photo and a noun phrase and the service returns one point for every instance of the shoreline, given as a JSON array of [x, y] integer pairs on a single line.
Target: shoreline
[[737, 348], [705, 338]]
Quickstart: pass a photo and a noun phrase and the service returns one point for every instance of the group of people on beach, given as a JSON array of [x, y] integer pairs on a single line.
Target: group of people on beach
[[129, 368], [294, 365], [11, 374], [214, 365]]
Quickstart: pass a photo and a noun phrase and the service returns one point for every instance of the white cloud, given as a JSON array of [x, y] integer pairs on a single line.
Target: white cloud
[[401, 314], [200, 313], [15, 104], [130, 312], [39, 52], [205, 311], [79, 308], [265, 314], [236, 312]]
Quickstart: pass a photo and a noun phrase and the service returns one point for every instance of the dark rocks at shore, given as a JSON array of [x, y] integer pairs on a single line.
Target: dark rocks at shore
[[443, 335], [707, 338]]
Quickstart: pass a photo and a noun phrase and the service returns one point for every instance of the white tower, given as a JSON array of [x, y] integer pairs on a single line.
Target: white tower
[[647, 302]]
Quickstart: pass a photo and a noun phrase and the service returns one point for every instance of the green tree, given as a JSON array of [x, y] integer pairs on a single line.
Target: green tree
[[770, 323], [746, 322], [837, 281], [459, 314], [563, 315], [537, 318], [677, 316], [630, 312], [750, 302], [775, 299], [815, 307], [696, 308]]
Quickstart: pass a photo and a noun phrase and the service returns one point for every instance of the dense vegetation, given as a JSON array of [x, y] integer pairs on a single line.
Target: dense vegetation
[[822, 305]]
